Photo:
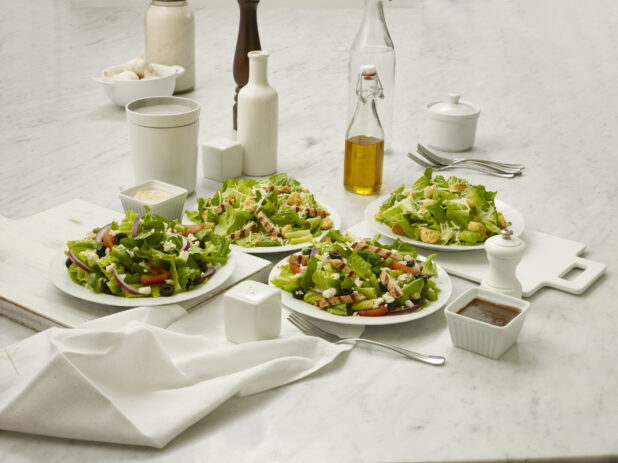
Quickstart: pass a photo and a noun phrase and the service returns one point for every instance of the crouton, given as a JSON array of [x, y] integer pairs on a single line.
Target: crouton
[[428, 191], [294, 199], [397, 229], [503, 223], [428, 235], [286, 229], [326, 223], [457, 187], [250, 204], [477, 227]]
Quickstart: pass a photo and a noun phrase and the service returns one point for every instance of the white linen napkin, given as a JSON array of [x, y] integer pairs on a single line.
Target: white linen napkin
[[143, 376]]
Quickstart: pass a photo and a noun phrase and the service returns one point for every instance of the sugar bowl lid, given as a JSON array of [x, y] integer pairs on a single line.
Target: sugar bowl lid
[[452, 109]]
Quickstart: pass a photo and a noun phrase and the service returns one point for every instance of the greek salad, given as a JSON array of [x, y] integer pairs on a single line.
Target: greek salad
[[442, 211], [358, 277], [145, 256], [253, 213]]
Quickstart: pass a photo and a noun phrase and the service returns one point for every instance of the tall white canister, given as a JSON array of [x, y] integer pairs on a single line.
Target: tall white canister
[[163, 133], [258, 118]]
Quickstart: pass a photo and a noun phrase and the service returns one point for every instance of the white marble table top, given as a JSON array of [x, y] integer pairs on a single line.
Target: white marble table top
[[544, 74]]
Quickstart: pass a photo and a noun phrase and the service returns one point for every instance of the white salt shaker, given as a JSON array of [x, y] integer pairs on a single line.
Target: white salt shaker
[[252, 312], [222, 159], [504, 253]]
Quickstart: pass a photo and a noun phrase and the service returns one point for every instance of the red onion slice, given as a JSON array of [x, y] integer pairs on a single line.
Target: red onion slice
[[101, 232], [123, 285], [135, 227], [209, 274], [315, 251], [316, 291], [406, 310], [77, 262], [186, 243]]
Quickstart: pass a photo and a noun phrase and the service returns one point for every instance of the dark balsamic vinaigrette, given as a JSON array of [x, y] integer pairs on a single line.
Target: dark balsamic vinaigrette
[[488, 312]]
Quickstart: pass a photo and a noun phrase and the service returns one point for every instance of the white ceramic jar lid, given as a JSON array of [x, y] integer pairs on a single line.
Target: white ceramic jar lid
[[163, 111], [452, 109]]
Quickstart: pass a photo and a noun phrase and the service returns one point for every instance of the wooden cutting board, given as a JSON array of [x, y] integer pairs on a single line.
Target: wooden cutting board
[[27, 246], [546, 261]]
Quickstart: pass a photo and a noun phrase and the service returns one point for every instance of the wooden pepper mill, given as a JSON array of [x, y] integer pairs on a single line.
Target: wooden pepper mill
[[248, 40]]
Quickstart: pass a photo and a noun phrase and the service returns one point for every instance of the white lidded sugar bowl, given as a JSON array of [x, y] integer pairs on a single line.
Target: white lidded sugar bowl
[[451, 125]]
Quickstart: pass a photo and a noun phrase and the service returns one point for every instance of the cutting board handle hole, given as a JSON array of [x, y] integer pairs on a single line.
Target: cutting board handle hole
[[572, 273]]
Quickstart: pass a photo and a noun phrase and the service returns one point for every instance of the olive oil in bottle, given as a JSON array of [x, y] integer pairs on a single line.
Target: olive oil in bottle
[[363, 164], [364, 141]]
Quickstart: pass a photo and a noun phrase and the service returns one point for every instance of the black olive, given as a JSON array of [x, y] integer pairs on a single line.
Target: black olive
[[306, 251], [167, 289], [105, 289], [298, 294], [101, 251], [68, 263], [421, 275], [201, 244], [419, 301], [411, 263], [334, 255], [118, 237], [346, 291], [392, 305], [383, 288], [202, 265]]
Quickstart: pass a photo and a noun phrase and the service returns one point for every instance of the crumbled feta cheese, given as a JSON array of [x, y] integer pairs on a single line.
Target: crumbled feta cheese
[[388, 298], [184, 255], [358, 282], [408, 303], [334, 276], [320, 265], [170, 281], [145, 290], [90, 235], [110, 268], [166, 227], [191, 237], [377, 302], [144, 264], [407, 257], [416, 296], [168, 246], [330, 292], [114, 232], [402, 277], [90, 255], [107, 251]]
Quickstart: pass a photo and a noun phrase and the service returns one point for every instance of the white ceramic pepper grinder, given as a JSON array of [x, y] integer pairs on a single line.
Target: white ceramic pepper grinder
[[258, 119], [504, 252]]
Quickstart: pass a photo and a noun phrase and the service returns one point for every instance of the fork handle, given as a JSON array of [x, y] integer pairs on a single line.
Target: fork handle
[[431, 359]]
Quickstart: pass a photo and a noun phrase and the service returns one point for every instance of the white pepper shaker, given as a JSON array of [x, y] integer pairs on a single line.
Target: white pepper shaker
[[504, 253]]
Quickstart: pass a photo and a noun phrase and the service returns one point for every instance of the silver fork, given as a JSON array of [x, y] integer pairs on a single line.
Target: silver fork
[[439, 167], [512, 168], [313, 330]]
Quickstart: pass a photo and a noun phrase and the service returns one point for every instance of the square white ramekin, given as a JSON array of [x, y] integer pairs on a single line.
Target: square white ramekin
[[480, 337], [170, 209]]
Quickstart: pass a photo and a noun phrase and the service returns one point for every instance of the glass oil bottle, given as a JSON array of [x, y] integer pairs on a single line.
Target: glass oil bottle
[[364, 144]]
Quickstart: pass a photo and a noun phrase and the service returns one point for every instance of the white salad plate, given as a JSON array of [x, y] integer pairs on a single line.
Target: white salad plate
[[443, 282], [291, 247], [62, 280], [510, 215]]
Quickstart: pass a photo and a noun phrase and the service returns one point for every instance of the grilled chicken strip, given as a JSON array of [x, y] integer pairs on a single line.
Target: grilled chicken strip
[[280, 189], [336, 300], [244, 231], [391, 284], [299, 259], [267, 224], [311, 211], [343, 267], [386, 253]]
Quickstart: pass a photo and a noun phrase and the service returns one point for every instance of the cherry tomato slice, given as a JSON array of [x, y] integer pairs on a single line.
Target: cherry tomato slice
[[399, 266], [295, 268], [108, 239], [377, 312], [192, 229], [155, 278]]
